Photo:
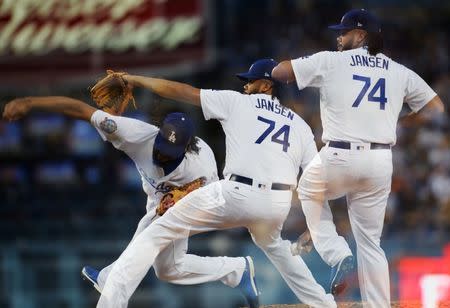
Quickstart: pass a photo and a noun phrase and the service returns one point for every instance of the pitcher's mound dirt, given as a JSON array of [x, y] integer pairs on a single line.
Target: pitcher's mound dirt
[[359, 305]]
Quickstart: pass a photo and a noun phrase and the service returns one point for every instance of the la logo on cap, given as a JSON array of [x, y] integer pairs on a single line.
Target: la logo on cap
[[172, 137]]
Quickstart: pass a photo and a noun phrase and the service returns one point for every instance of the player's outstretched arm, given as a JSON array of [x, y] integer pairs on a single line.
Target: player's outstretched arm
[[20, 107], [177, 91], [283, 72], [426, 114]]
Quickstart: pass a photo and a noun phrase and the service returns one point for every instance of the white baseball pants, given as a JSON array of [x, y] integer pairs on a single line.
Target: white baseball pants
[[219, 205], [174, 265], [364, 176]]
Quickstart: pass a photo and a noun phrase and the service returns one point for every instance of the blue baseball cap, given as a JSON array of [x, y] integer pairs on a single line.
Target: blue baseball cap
[[174, 135], [261, 69], [358, 19]]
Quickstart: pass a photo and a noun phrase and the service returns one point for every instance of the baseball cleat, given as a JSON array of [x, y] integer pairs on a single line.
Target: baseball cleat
[[91, 274], [340, 274], [248, 284]]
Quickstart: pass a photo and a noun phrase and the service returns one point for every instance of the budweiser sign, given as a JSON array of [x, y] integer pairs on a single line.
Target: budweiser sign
[[99, 32], [40, 26]]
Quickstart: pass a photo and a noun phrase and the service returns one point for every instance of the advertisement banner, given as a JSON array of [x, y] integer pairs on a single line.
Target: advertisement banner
[[78, 37]]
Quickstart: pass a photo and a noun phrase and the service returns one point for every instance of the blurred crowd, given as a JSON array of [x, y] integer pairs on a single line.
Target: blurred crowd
[[58, 170]]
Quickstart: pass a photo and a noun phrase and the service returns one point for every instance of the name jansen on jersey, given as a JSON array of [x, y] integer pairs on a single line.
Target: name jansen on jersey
[[274, 107], [359, 60]]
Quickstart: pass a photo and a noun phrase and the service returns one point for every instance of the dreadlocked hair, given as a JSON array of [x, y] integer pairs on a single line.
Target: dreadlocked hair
[[276, 89], [277, 92], [374, 42], [192, 146]]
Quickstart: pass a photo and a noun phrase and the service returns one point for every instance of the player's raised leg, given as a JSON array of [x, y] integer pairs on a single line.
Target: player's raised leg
[[313, 190], [174, 265], [199, 211]]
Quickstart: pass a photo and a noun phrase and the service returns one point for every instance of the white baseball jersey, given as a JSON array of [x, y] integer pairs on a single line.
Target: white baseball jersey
[[266, 142], [361, 95], [275, 143], [173, 264], [136, 139]]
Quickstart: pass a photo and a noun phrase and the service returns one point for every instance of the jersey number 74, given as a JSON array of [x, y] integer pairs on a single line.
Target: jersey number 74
[[380, 86], [281, 136]]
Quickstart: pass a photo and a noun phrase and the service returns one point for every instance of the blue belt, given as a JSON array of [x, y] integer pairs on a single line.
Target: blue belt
[[249, 181], [347, 145]]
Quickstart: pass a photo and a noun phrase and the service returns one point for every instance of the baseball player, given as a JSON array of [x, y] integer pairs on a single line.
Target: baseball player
[[266, 144], [165, 157], [361, 95]]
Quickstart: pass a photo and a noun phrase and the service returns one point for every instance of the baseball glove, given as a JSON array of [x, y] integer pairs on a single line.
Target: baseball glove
[[113, 93], [176, 193]]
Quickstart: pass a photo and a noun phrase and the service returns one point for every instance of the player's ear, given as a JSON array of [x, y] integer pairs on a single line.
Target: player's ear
[[266, 86], [361, 36]]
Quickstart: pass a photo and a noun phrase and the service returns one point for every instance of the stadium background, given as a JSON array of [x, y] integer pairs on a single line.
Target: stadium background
[[67, 199]]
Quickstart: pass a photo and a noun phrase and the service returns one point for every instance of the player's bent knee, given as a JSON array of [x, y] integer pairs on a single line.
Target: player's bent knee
[[268, 244], [307, 195], [166, 273]]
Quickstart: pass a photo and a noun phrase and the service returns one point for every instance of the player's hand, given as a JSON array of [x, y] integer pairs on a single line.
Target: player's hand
[[16, 109], [129, 79], [303, 245], [166, 203]]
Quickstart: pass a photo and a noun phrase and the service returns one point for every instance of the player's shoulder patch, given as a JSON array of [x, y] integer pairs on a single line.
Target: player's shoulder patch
[[109, 126]]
